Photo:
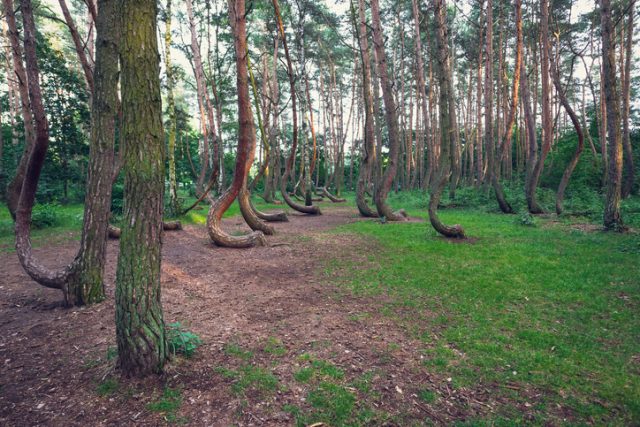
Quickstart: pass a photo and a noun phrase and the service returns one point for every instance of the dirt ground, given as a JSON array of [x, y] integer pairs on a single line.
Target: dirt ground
[[52, 359]]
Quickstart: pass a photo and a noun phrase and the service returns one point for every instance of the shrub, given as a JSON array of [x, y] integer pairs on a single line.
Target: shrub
[[181, 341], [46, 215]]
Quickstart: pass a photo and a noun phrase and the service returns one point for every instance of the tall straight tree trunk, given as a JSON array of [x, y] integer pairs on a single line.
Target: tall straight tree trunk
[[447, 123], [14, 187], [204, 101], [488, 98], [612, 217], [174, 203], [369, 148], [479, 157], [391, 116], [547, 123], [140, 330], [421, 82], [627, 186]]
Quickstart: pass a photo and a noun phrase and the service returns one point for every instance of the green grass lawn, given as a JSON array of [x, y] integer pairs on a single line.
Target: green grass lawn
[[544, 310]]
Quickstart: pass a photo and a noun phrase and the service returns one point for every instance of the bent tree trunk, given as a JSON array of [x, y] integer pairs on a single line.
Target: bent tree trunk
[[313, 210], [14, 187], [86, 280], [566, 176], [246, 142], [369, 149], [505, 140], [391, 116], [140, 331], [447, 120], [82, 280]]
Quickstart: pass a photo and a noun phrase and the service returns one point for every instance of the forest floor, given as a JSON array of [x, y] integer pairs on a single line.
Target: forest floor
[[293, 333]]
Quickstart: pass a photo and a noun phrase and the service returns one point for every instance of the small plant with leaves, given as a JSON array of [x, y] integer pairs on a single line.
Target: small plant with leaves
[[181, 341], [526, 219]]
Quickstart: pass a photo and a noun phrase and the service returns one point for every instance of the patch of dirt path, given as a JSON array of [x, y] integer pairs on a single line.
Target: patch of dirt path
[[52, 359]]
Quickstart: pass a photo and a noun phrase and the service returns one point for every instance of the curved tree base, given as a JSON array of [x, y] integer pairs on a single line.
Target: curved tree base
[[456, 231], [384, 210], [361, 202], [330, 196], [115, 232], [224, 239], [505, 207], [310, 210], [269, 217], [249, 214]]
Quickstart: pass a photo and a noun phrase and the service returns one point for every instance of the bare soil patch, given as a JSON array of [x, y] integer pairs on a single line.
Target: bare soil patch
[[274, 303]]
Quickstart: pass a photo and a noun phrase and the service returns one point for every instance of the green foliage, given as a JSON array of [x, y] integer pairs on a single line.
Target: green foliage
[[181, 341], [526, 219], [46, 215]]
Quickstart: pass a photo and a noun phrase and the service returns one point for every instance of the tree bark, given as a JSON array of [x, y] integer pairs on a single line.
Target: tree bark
[[313, 210], [447, 124], [391, 116], [140, 331], [627, 186], [547, 123], [86, 282], [174, 202], [566, 176], [14, 187], [612, 217], [246, 143], [369, 149], [79, 45], [505, 140]]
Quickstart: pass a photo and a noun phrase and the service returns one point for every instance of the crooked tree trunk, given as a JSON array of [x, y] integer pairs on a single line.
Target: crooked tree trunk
[[505, 140], [140, 331], [246, 142], [81, 281], [79, 45], [447, 124], [612, 217], [86, 283], [369, 148], [391, 116], [313, 210], [566, 176], [14, 187], [174, 202]]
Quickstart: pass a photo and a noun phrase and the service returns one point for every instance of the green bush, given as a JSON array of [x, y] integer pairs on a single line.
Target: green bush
[[181, 341], [46, 215]]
